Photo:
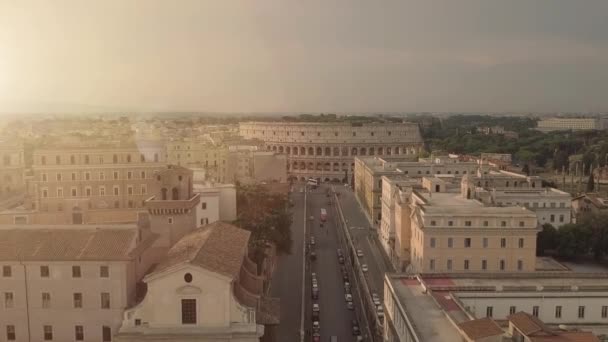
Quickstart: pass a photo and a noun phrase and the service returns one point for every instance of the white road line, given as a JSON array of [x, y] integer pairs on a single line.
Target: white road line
[[303, 272]]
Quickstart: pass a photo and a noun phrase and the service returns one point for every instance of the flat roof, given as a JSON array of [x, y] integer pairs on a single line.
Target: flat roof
[[491, 284], [428, 319], [454, 204]]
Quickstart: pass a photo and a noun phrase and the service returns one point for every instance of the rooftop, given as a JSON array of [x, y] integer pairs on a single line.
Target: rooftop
[[63, 243], [218, 247], [433, 325], [480, 328]]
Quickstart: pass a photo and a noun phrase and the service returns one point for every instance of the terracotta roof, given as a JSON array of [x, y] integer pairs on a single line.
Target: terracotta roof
[[67, 244], [480, 328], [218, 247], [527, 323]]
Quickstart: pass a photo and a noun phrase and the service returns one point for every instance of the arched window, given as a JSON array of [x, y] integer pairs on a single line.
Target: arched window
[[354, 151], [327, 151], [336, 151], [311, 151], [175, 194], [163, 192], [319, 151], [363, 151], [380, 151]]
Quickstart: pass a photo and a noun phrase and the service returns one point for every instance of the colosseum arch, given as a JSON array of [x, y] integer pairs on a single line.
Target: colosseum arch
[[371, 151], [327, 151], [336, 151], [302, 166], [280, 149], [363, 151], [397, 150], [380, 151], [295, 151], [295, 165], [311, 166], [311, 151], [327, 167], [344, 167], [319, 151], [302, 150], [336, 167], [319, 166], [344, 151], [288, 166], [389, 150], [274, 148], [354, 151], [288, 150]]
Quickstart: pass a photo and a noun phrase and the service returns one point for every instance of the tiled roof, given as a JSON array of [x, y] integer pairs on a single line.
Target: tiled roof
[[480, 328], [527, 323], [60, 244], [218, 247]]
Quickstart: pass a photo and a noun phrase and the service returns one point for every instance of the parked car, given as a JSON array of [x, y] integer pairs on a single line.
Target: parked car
[[364, 268], [339, 251], [312, 240], [341, 260], [359, 253], [315, 307], [376, 299], [315, 293], [313, 275], [348, 297], [350, 306], [316, 326], [316, 337], [344, 276], [356, 330], [313, 256], [346, 285]]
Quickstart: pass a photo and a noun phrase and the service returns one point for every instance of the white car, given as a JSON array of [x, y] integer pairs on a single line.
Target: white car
[[364, 267], [316, 327], [359, 253], [348, 297], [313, 275], [315, 307]]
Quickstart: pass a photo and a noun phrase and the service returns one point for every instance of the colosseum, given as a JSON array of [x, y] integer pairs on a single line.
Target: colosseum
[[326, 151]]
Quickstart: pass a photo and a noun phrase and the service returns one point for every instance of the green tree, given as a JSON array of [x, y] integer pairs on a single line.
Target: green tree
[[573, 241], [590, 183], [526, 169], [547, 239]]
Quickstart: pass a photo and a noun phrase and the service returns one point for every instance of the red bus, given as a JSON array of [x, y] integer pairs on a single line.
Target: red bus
[[323, 215]]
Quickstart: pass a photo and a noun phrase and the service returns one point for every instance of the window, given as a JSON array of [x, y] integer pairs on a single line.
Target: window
[[58, 177], [43, 160], [558, 311], [45, 193], [79, 333], [144, 189], [77, 298], [86, 159], [115, 159], [520, 265], [512, 310], [485, 242], [106, 334], [604, 311], [105, 300], [129, 190], [88, 191], [8, 300], [467, 223], [104, 271], [522, 223], [115, 174], [143, 175], [59, 192], [489, 311], [129, 175], [466, 264], [73, 176], [87, 176], [128, 158], [535, 311], [552, 218], [10, 333], [46, 300], [102, 191], [7, 271], [484, 264], [503, 243], [44, 179], [502, 265], [433, 223], [449, 264], [467, 242], [520, 242], [581, 312], [44, 271], [450, 223], [503, 223], [170, 220], [188, 311], [204, 205], [450, 243], [48, 333], [561, 218], [116, 191], [432, 242], [74, 193], [76, 272]]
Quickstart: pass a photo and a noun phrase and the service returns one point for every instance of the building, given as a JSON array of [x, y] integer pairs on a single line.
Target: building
[[69, 283], [505, 157], [369, 171], [12, 167], [588, 203], [571, 123], [92, 182], [217, 202], [326, 150], [206, 289], [199, 153], [502, 188], [453, 234], [486, 308]]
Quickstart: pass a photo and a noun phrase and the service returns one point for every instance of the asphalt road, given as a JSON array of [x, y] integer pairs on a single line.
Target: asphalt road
[[335, 318], [286, 282]]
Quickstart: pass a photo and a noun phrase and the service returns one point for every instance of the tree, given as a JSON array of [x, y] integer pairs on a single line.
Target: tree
[[547, 239], [591, 183], [573, 241]]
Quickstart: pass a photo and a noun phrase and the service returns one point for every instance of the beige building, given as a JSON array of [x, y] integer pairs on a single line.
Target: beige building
[[326, 151], [206, 289], [572, 123], [200, 153], [69, 283], [217, 203], [12, 167], [589, 203], [369, 171], [92, 182]]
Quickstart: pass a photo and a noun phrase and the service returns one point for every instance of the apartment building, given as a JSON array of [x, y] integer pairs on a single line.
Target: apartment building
[[69, 283], [206, 289], [217, 202], [12, 167], [199, 153], [588, 203], [571, 123], [369, 171], [93, 182], [460, 307]]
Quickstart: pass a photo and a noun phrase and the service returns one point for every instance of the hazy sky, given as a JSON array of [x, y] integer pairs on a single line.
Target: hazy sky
[[304, 56]]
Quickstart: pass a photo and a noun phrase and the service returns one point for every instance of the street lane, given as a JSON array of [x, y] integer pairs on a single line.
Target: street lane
[[286, 282], [335, 318]]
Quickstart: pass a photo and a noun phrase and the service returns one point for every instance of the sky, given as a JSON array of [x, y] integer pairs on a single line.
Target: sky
[[304, 56]]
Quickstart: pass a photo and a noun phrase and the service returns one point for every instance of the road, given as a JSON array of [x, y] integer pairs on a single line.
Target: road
[[335, 318], [286, 282]]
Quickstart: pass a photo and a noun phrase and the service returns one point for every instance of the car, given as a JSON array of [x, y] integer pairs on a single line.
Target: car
[[339, 251], [315, 307], [346, 185], [316, 326], [379, 309], [347, 290], [346, 285], [348, 297], [316, 337], [359, 253], [315, 316], [314, 282], [376, 299], [312, 240], [313, 256], [341, 260], [350, 306], [315, 294], [345, 277], [364, 268], [313, 275]]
